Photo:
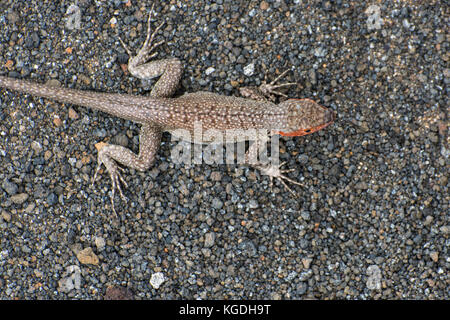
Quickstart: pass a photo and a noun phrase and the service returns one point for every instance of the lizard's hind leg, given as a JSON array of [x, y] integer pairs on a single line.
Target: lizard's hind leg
[[110, 155]]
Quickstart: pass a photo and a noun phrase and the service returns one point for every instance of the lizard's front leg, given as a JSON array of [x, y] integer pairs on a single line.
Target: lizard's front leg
[[267, 91], [271, 169]]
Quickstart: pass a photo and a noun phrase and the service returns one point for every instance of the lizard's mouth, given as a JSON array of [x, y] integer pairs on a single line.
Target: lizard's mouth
[[328, 119]]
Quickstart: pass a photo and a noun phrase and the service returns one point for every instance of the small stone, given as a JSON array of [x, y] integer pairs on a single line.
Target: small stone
[[38, 273], [57, 121], [121, 140], [216, 176], [100, 243], [253, 204], [361, 185], [6, 216], [306, 262], [157, 279], [217, 203], [301, 288], [36, 146], [374, 280], [445, 229], [65, 285], [73, 114], [303, 159], [434, 256], [87, 256], [249, 69], [12, 17], [210, 237], [73, 20], [276, 296], [52, 198], [72, 279], [428, 220], [10, 187], [47, 155], [19, 198], [209, 71], [264, 5]]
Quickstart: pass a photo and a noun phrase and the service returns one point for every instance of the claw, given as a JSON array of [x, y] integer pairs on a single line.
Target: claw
[[144, 54], [95, 174], [147, 47], [116, 178], [125, 47]]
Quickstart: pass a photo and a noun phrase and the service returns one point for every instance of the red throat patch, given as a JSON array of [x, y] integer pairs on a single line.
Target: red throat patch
[[304, 132]]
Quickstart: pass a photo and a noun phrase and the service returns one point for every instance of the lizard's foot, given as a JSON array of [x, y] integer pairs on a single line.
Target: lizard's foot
[[267, 90], [274, 171], [271, 89], [116, 177], [146, 52]]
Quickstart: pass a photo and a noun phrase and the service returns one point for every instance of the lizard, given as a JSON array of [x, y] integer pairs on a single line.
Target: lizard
[[160, 112]]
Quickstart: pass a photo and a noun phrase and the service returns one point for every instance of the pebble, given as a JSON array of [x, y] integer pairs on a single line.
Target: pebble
[[216, 176], [36, 146], [87, 256], [306, 262], [209, 71], [71, 279], [210, 237], [73, 114], [253, 204], [6, 216], [118, 293], [217, 203], [157, 280], [73, 20], [374, 277], [19, 198], [100, 243], [10, 187], [445, 230], [249, 69], [434, 256]]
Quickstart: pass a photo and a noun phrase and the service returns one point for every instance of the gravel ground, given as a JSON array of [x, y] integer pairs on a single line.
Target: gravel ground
[[372, 221]]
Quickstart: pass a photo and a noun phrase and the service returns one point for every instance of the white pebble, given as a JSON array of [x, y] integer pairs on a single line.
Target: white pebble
[[209, 71], [157, 279], [374, 280], [249, 69]]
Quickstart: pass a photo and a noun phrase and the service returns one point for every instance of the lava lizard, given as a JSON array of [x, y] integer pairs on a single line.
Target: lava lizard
[[160, 112]]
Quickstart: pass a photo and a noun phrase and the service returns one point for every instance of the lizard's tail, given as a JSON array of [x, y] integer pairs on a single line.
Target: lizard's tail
[[112, 103], [42, 90]]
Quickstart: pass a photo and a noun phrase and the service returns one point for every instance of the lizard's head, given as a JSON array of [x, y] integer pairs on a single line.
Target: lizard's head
[[305, 117]]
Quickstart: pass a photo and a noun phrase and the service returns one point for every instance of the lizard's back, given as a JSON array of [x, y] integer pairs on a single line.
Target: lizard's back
[[221, 112]]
